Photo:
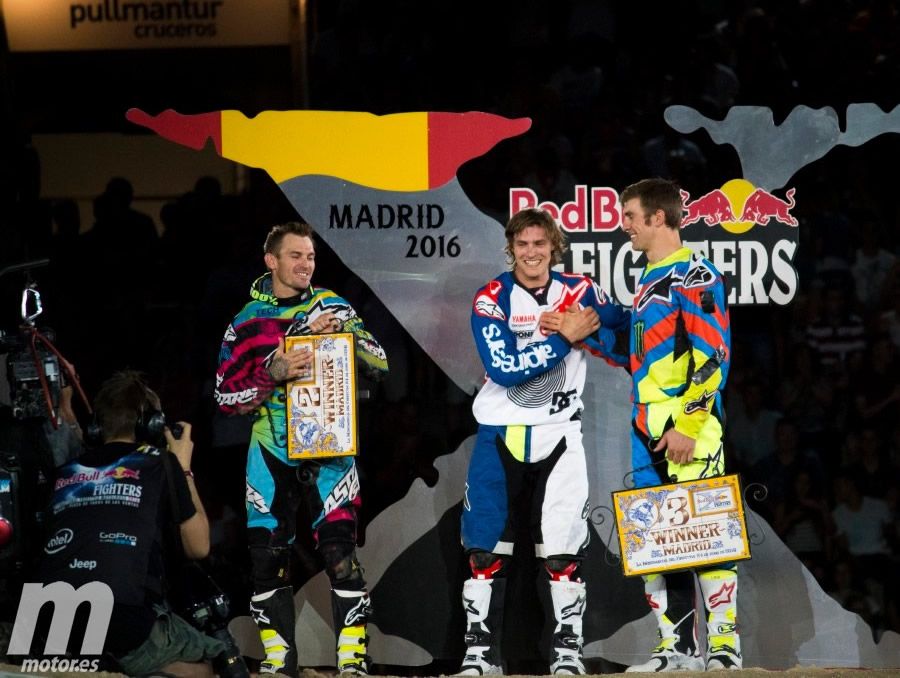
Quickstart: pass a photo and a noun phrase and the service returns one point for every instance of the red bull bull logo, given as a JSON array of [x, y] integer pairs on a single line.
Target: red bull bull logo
[[762, 206], [121, 473], [756, 206], [713, 208]]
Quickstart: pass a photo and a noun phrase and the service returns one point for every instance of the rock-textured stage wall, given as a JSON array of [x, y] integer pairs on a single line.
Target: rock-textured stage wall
[[382, 192]]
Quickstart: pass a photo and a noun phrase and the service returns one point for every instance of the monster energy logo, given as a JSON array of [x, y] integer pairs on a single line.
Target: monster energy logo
[[639, 339]]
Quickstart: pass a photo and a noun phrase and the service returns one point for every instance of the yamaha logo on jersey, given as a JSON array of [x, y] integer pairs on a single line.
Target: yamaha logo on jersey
[[522, 325]]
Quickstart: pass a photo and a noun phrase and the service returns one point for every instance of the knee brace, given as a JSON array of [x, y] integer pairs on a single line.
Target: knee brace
[[561, 568], [337, 545], [486, 565], [342, 567], [271, 567]]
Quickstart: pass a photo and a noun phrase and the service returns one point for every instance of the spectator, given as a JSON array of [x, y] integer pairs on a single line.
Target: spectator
[[877, 400], [803, 521], [847, 589], [872, 264], [803, 394], [751, 426], [872, 470], [777, 470], [862, 525], [837, 332]]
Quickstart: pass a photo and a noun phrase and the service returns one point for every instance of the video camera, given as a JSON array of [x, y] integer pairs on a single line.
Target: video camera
[[32, 440], [32, 361], [27, 373]]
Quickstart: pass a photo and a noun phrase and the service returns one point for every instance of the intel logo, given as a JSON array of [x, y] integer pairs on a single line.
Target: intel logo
[[59, 541]]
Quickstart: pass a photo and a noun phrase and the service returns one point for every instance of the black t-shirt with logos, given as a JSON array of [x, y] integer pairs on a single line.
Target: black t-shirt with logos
[[110, 492]]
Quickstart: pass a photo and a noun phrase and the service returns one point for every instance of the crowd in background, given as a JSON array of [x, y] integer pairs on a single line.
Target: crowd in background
[[813, 396]]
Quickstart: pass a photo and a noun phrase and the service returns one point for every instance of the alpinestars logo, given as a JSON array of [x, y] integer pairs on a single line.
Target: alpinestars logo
[[571, 295], [302, 319], [488, 308], [652, 603], [723, 596], [359, 612], [701, 403], [699, 275], [259, 614], [658, 290], [486, 303], [575, 609]]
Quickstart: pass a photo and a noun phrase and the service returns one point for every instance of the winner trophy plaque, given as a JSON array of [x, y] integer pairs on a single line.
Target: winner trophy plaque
[[680, 526], [321, 405]]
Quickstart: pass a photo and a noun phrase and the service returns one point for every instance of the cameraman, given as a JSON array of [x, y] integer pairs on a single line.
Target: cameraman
[[110, 514]]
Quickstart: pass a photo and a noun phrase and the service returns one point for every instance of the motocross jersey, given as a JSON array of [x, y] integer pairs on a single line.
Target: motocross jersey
[[680, 342], [243, 382], [533, 378]]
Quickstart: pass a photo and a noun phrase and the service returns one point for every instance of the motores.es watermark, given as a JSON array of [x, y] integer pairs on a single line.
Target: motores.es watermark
[[65, 599]]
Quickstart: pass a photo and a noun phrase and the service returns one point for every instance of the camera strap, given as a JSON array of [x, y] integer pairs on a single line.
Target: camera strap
[[173, 500], [186, 563]]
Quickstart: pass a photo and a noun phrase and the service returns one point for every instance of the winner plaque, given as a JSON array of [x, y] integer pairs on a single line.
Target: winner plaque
[[321, 405], [684, 525]]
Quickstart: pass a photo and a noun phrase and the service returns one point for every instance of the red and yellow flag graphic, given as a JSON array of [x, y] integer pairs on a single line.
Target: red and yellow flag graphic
[[396, 152]]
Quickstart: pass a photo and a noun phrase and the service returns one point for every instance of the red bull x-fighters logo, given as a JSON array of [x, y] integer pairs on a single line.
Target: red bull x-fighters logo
[[746, 231]]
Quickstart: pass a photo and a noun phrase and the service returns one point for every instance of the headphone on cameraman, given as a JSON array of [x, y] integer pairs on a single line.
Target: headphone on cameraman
[[149, 426]]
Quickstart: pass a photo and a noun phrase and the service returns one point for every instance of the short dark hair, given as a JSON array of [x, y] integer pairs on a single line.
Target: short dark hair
[[532, 216], [658, 194], [121, 403], [276, 235]]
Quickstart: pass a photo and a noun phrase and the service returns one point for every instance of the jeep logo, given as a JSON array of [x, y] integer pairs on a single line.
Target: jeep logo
[[82, 564], [59, 541]]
